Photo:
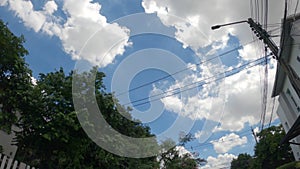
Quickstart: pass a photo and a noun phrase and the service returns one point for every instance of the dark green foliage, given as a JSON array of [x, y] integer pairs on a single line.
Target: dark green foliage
[[53, 138], [243, 161], [268, 154], [51, 135], [291, 165], [171, 159], [15, 77]]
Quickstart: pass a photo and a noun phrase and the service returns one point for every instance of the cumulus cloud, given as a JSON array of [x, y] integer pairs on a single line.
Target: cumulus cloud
[[50, 7], [83, 22], [24, 10], [221, 161], [197, 17], [232, 103], [192, 22], [227, 142], [249, 52], [173, 104], [243, 101], [182, 151]]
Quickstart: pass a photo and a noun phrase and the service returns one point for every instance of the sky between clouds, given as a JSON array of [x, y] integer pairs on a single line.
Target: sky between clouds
[[232, 103]]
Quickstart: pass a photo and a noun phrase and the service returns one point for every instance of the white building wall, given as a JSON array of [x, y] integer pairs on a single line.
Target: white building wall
[[295, 59], [286, 126], [289, 102], [292, 100], [6, 141]]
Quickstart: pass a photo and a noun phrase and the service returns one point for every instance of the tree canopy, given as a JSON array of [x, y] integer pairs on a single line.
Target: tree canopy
[[51, 135], [243, 161], [15, 77], [268, 154]]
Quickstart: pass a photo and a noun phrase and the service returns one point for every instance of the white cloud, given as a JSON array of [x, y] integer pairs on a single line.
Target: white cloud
[[173, 104], [182, 151], [3, 2], [243, 103], [193, 29], [24, 10], [227, 142], [249, 52], [222, 161], [233, 102], [103, 46], [201, 15], [50, 7], [83, 21], [33, 80]]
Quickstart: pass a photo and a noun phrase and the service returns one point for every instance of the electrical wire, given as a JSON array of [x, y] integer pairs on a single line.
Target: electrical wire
[[283, 27], [251, 8], [266, 14], [265, 77], [247, 132], [296, 9], [265, 94], [209, 143], [272, 111], [190, 67], [202, 82], [262, 11], [257, 10]]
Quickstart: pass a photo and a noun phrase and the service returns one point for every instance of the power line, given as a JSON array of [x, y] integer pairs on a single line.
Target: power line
[[182, 70], [203, 80], [262, 10], [266, 14], [265, 74], [251, 8], [227, 74], [265, 95], [272, 111], [247, 132], [296, 9], [256, 7], [208, 143]]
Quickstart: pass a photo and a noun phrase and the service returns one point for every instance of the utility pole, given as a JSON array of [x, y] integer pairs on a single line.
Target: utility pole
[[263, 35], [290, 72]]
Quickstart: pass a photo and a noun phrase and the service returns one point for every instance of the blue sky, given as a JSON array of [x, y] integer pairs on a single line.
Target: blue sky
[[136, 42]]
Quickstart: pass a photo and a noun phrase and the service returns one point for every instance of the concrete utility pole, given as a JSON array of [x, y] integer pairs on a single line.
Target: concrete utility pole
[[290, 72], [263, 35]]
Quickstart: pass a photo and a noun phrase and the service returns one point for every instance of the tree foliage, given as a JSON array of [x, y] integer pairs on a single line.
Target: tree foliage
[[53, 138], [15, 77], [268, 154], [51, 135], [243, 161], [173, 159]]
